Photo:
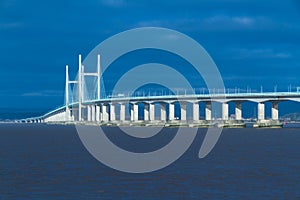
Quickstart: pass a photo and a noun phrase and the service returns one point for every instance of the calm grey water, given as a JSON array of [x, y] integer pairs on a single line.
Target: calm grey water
[[49, 162]]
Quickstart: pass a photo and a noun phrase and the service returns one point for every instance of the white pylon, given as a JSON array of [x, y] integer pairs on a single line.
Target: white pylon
[[67, 94], [79, 88]]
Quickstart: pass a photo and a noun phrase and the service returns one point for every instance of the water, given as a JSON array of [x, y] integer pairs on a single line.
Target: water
[[49, 162]]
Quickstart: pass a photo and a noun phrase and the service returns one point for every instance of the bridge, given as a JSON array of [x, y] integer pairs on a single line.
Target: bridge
[[104, 110]]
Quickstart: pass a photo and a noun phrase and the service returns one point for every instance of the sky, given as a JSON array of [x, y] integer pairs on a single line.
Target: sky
[[254, 43]]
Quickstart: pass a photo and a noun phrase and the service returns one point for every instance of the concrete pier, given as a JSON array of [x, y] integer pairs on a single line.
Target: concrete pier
[[238, 110], [195, 111], [134, 112], [89, 113], [171, 111], [112, 112], [93, 110], [122, 112], [225, 111], [151, 111], [146, 112], [98, 119], [208, 111], [275, 110], [163, 113], [105, 116], [183, 111], [260, 111]]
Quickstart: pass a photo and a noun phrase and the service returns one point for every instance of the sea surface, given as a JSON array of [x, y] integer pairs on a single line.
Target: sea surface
[[39, 161]]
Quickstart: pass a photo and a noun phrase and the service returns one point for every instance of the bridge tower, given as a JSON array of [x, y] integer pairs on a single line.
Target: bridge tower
[[80, 83], [68, 116], [81, 75], [67, 94], [79, 88]]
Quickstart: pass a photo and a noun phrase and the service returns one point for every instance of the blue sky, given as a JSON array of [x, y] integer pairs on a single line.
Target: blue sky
[[253, 42]]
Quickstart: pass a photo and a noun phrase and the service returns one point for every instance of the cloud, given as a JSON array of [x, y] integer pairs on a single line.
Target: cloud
[[46, 93], [213, 23], [247, 21], [228, 20], [259, 53]]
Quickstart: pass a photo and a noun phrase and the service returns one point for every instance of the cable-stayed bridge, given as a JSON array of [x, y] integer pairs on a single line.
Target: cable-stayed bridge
[[81, 107]]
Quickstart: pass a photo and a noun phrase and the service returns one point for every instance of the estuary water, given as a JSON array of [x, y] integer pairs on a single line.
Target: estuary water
[[39, 161]]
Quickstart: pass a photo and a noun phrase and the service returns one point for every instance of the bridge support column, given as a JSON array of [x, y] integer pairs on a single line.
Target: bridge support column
[[195, 111], [122, 112], [98, 119], [171, 111], [88, 112], [275, 110], [208, 111], [183, 111], [224, 111], [112, 112], [163, 114], [261, 111], [73, 115], [146, 112], [134, 112], [93, 113], [238, 110], [152, 111], [68, 114], [104, 113]]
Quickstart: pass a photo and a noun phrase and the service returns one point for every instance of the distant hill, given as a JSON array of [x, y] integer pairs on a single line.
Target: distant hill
[[292, 116]]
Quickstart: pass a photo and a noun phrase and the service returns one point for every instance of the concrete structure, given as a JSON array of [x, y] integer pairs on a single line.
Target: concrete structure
[[195, 111], [104, 110], [208, 111], [238, 110]]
